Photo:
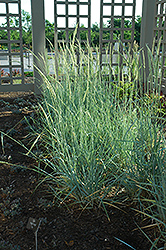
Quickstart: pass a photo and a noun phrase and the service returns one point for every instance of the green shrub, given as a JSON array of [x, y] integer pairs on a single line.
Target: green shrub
[[28, 74]]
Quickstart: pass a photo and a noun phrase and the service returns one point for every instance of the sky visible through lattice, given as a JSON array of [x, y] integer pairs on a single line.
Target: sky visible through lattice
[[49, 9]]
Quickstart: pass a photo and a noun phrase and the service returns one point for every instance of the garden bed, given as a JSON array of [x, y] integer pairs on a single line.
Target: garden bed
[[60, 228]]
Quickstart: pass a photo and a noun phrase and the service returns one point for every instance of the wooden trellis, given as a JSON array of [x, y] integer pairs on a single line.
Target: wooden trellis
[[153, 25], [153, 28], [112, 11], [160, 33], [12, 72], [68, 14]]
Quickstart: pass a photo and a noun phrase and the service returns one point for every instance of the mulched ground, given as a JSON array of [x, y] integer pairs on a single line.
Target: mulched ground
[[60, 229]]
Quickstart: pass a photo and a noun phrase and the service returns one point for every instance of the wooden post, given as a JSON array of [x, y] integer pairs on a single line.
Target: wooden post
[[147, 35], [38, 40], [148, 21]]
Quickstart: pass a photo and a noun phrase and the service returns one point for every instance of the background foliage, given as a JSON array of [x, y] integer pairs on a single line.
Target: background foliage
[[49, 30]]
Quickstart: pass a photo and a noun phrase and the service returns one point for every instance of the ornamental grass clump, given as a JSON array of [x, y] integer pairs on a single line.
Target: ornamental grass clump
[[100, 140]]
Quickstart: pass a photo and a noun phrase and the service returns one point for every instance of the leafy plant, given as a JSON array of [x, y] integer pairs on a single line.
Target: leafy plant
[[9, 207], [15, 73], [28, 74]]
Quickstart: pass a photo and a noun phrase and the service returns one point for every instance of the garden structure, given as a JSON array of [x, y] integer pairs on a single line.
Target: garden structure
[[153, 27]]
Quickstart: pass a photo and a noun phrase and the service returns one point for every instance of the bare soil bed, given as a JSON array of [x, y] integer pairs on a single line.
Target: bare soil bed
[[61, 229]]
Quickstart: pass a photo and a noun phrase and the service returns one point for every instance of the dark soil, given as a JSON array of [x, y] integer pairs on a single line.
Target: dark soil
[[60, 228]]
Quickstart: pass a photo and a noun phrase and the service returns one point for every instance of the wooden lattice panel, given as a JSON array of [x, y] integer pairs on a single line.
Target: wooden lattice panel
[[160, 33], [114, 17], [68, 14], [11, 51]]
